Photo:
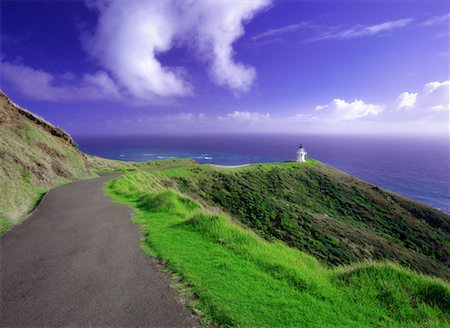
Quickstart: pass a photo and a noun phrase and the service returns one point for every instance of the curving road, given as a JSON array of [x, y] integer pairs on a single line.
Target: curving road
[[76, 262]]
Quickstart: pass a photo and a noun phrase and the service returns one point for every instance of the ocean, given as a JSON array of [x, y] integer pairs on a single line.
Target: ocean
[[411, 166]]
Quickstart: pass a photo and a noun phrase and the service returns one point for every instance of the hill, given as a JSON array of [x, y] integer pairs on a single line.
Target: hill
[[35, 156], [239, 279], [333, 216]]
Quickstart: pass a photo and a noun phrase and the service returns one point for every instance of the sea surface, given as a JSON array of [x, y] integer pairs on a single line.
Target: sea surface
[[411, 166]]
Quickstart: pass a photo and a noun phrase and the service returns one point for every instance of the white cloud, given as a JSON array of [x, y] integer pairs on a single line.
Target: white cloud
[[218, 25], [361, 30], [431, 87], [407, 100], [277, 32], [342, 32], [333, 32], [245, 117], [128, 38], [41, 85], [172, 119], [375, 29], [131, 34], [127, 41], [340, 109], [430, 105], [186, 118], [433, 97], [426, 111], [440, 19]]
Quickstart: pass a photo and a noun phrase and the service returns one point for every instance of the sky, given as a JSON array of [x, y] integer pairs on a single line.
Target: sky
[[115, 67]]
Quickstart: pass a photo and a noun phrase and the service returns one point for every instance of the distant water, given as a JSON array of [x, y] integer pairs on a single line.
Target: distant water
[[414, 167]]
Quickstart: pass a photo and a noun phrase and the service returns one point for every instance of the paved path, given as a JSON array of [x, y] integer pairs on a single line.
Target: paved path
[[76, 262]]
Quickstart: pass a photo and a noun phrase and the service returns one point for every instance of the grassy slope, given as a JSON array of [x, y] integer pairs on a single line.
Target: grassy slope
[[241, 279], [335, 217], [35, 157]]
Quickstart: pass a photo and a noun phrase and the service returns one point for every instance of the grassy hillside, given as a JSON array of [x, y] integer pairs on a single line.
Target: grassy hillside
[[241, 279], [35, 156], [335, 217]]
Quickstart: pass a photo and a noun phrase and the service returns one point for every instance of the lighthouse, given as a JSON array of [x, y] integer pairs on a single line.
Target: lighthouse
[[301, 154]]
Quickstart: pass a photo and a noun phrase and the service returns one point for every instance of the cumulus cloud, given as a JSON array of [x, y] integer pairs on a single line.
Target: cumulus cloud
[[40, 85], [251, 118], [131, 34], [426, 111], [218, 24], [431, 104], [407, 100], [434, 97], [340, 109], [128, 40]]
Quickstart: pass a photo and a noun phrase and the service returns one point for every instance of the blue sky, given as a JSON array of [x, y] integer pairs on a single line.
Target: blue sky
[[142, 67]]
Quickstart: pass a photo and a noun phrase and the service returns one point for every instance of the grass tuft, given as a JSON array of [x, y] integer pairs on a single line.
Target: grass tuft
[[5, 224], [167, 201]]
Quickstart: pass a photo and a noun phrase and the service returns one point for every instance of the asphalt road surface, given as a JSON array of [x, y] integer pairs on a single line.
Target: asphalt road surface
[[77, 262]]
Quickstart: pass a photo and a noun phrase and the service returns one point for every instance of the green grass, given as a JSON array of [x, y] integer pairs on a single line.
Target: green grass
[[33, 161], [335, 217], [5, 224], [35, 157], [36, 201], [240, 279]]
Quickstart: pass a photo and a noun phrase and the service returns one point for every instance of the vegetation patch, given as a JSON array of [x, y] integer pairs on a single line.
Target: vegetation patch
[[335, 217], [242, 279], [36, 156], [5, 224]]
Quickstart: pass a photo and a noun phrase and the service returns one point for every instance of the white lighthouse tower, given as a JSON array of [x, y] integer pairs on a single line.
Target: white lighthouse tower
[[301, 154]]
